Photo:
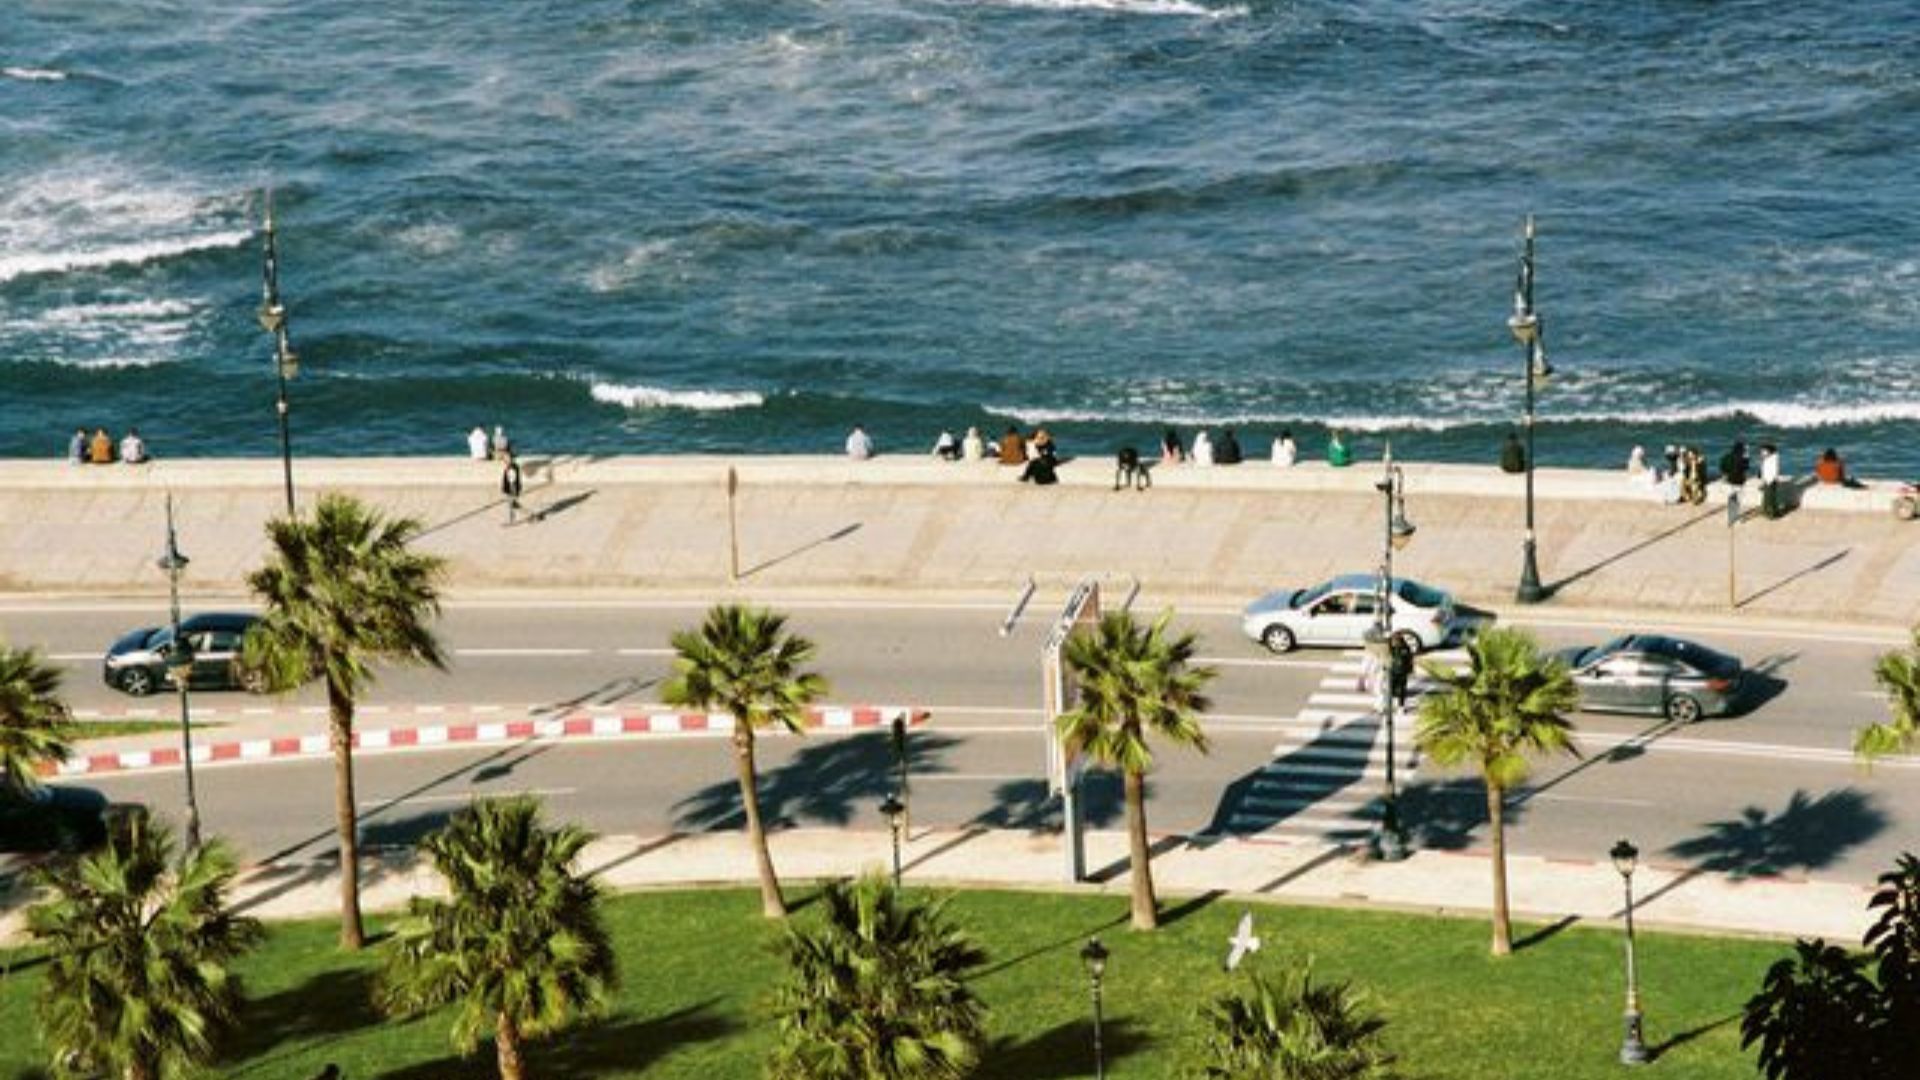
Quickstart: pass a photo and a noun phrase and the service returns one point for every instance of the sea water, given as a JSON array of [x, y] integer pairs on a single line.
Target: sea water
[[627, 226]]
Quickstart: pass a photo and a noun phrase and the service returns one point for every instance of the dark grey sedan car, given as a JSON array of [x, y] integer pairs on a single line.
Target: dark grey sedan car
[[1651, 673], [137, 663]]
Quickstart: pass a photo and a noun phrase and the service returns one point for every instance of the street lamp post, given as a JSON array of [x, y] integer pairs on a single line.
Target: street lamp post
[[1390, 841], [180, 665], [898, 731], [1633, 1049], [1527, 330], [273, 319], [896, 814], [1094, 955]]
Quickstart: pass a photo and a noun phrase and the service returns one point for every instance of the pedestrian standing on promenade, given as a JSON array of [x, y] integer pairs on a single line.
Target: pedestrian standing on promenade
[[101, 448], [1285, 451], [1399, 669], [133, 448], [1338, 455], [859, 444], [77, 447], [1770, 480], [479, 447], [973, 447], [1171, 452], [1733, 463], [510, 487]]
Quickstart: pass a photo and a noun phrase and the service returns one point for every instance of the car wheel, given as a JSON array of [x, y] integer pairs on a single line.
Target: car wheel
[[138, 681], [1410, 639], [1277, 638], [1682, 709]]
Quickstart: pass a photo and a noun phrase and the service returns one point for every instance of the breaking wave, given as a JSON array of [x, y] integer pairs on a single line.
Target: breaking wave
[[137, 254], [654, 397]]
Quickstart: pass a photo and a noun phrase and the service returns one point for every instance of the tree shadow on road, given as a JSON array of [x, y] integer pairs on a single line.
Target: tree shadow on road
[[1807, 834], [827, 782], [1446, 815], [1253, 803], [1030, 804]]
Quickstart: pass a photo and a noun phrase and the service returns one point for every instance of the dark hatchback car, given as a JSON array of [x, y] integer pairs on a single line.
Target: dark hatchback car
[[55, 818], [137, 663], [1651, 673]]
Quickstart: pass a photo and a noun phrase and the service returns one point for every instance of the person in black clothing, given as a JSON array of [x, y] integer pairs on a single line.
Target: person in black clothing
[[1733, 464], [1399, 669], [1513, 456], [1040, 469], [1228, 451], [510, 487]]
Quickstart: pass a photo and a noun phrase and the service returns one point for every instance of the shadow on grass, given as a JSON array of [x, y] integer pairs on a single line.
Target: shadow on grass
[[614, 1046], [826, 782], [329, 1005], [1542, 935], [1065, 1050], [1675, 1041], [1072, 941]]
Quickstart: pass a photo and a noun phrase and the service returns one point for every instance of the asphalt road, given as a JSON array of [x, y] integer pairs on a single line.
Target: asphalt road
[[1772, 791]]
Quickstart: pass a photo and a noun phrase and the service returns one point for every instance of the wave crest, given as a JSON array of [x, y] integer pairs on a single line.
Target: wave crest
[[654, 397], [27, 74], [136, 254], [1134, 7], [1784, 416]]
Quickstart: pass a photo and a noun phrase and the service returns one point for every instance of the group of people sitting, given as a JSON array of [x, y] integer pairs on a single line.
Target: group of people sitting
[[1681, 475], [1284, 453], [100, 449]]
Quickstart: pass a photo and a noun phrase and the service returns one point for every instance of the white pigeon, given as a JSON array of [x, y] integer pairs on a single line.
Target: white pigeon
[[1242, 942]]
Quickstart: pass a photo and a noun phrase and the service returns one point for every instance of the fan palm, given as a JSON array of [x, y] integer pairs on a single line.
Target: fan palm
[[743, 662], [1898, 673], [1506, 705], [877, 989], [1294, 1029], [342, 591], [519, 949], [1134, 680], [139, 949], [35, 727]]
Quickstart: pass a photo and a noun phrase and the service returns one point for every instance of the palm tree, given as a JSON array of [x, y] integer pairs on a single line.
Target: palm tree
[[878, 989], [1132, 680], [1506, 705], [743, 662], [519, 950], [139, 952], [342, 591], [1294, 1030], [35, 726], [1898, 673]]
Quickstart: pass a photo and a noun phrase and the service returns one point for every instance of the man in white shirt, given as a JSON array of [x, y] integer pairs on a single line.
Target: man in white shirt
[[1770, 480], [478, 446], [133, 449], [859, 446]]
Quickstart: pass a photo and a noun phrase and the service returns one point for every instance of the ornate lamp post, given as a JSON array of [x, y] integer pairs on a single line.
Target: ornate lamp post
[[180, 666], [1527, 330], [1094, 955], [273, 319], [1390, 840], [896, 814], [1633, 1049]]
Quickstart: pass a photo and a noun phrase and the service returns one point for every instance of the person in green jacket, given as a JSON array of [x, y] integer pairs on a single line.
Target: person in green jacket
[[1338, 455]]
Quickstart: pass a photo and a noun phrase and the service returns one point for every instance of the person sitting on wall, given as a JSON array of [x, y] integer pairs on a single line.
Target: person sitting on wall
[[1830, 469], [972, 448], [1228, 451], [1013, 447], [133, 448], [1041, 468], [1513, 456], [1733, 463], [1285, 450], [946, 447], [1338, 455], [1130, 471], [1171, 452], [100, 450]]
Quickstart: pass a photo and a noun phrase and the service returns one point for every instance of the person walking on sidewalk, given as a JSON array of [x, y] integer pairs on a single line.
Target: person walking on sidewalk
[[510, 487]]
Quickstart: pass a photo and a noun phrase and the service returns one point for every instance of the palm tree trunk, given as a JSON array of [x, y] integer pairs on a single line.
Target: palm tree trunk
[[345, 815], [1496, 822], [772, 905], [506, 1046], [1145, 915]]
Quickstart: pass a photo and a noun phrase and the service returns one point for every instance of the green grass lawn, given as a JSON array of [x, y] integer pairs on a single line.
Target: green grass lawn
[[107, 729], [695, 968]]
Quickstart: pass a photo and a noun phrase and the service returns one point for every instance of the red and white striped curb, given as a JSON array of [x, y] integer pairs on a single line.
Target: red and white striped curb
[[573, 725]]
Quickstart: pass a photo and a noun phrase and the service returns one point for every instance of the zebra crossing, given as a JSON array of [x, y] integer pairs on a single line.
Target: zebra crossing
[[1327, 774]]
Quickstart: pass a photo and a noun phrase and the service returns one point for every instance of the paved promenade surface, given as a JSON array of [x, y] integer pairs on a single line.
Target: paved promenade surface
[[912, 524]]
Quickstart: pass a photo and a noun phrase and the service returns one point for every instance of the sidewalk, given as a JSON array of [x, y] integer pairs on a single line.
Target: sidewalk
[[1235, 870]]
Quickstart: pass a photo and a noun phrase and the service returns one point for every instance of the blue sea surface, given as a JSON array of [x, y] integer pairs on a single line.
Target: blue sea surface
[[626, 226]]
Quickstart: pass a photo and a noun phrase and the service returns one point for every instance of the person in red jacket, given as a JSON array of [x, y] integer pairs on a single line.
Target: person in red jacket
[[1829, 468]]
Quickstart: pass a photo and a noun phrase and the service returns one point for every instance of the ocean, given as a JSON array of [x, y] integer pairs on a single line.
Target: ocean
[[628, 226]]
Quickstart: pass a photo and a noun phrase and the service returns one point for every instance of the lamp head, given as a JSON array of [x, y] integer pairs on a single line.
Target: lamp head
[[272, 317], [1094, 955], [1524, 324], [893, 808], [1625, 857], [1537, 365], [1401, 530], [289, 362], [172, 561]]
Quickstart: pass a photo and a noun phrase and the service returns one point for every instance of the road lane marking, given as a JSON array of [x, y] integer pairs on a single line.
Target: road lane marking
[[467, 796], [1259, 662], [523, 652], [645, 652], [71, 657], [1550, 797]]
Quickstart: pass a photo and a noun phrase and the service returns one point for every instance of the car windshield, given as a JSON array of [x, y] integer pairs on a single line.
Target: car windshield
[[1309, 596], [1698, 657], [1608, 649], [1420, 595], [162, 636]]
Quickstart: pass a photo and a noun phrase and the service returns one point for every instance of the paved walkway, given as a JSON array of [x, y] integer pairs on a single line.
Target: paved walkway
[[1554, 892]]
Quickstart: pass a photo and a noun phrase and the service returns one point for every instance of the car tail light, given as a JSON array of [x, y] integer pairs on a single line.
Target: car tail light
[[1720, 686]]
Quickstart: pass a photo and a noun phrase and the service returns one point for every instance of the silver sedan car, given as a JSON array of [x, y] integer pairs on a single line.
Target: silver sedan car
[[1662, 676], [1340, 611]]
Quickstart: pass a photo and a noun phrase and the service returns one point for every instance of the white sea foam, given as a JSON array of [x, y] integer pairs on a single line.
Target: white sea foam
[[27, 74], [1134, 7], [1767, 414], [612, 277], [430, 238], [128, 254], [654, 397]]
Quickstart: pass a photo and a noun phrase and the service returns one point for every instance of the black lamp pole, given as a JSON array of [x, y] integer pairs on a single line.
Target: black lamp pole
[[180, 664], [1633, 1047], [895, 812], [1094, 955], [273, 319], [1390, 843], [1527, 330]]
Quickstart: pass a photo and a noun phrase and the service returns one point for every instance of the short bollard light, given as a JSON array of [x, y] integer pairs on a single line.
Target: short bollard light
[[1633, 1048], [896, 814], [1094, 955]]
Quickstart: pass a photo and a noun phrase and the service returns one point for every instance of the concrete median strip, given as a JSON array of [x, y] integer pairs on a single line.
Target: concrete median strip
[[569, 725]]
